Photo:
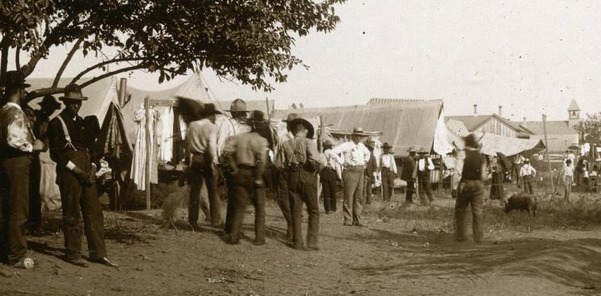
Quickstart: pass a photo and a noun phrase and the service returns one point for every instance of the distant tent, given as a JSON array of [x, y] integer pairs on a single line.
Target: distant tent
[[405, 124], [493, 144]]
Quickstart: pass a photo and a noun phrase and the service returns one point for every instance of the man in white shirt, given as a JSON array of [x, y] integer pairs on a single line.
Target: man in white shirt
[[201, 140], [329, 177], [356, 156], [389, 172], [527, 173], [424, 167], [568, 178]]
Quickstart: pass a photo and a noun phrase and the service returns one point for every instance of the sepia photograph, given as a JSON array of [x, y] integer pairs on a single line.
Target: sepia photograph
[[300, 147]]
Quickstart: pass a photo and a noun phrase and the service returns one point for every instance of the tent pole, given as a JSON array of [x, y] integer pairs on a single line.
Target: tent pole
[[547, 152], [148, 152]]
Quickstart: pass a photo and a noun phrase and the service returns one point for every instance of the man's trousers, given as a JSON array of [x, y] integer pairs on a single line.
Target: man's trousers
[[471, 192], [303, 188], [79, 199], [353, 194], [15, 206], [247, 192]]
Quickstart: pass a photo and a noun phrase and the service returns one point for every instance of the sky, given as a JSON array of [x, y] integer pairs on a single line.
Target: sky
[[531, 57]]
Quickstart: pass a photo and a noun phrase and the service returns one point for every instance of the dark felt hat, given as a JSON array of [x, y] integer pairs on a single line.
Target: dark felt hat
[[73, 92], [208, 110], [13, 79], [471, 141], [307, 125], [50, 102], [386, 146], [291, 116]]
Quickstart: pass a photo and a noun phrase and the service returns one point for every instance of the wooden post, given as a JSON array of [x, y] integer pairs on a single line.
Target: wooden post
[[547, 152], [148, 152], [122, 91], [268, 110]]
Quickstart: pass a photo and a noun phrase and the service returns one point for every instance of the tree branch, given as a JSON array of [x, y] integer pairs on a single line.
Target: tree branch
[[18, 57], [43, 92], [37, 55], [109, 74], [84, 72], [57, 78], [4, 47]]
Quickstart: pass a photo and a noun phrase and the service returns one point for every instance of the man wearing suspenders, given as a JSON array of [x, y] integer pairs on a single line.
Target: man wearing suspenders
[[75, 168]]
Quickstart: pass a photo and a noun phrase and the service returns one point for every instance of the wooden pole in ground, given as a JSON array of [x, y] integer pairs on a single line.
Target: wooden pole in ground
[[148, 152], [547, 153]]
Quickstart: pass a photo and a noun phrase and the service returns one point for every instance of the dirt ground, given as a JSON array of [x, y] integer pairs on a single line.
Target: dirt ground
[[384, 258]]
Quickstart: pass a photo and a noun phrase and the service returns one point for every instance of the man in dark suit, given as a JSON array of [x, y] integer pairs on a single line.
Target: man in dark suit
[[71, 150], [409, 173]]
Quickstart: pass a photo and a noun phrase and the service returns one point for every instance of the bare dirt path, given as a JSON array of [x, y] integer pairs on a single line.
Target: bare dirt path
[[384, 258]]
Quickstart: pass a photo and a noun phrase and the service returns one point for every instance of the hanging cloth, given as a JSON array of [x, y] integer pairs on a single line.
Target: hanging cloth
[[138, 165]]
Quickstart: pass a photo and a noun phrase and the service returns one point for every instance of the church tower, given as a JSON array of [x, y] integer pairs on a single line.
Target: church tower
[[574, 114]]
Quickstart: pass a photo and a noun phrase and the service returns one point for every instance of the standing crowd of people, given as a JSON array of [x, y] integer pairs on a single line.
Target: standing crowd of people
[[239, 148]]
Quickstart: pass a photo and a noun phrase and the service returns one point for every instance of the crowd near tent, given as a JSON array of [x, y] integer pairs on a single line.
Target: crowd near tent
[[403, 123]]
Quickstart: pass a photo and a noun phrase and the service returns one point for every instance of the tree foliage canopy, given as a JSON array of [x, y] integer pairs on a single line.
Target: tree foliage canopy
[[247, 40], [590, 128]]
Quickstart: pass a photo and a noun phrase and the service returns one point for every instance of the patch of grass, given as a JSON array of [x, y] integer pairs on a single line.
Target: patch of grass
[[581, 213]]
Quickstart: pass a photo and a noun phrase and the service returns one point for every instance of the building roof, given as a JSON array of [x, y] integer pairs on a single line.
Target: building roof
[[472, 122], [403, 125], [379, 101], [560, 127], [574, 106]]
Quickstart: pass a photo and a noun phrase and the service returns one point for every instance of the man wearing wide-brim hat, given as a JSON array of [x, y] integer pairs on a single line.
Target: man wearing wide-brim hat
[[227, 129], [48, 106], [71, 149], [283, 199], [356, 156], [409, 173], [471, 190], [17, 146], [300, 160], [389, 171], [201, 142], [424, 167], [247, 156], [329, 176]]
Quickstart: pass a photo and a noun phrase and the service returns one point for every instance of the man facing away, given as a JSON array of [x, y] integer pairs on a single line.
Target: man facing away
[[247, 155], [283, 198], [201, 140], [356, 156], [300, 160], [471, 190], [16, 147], [226, 130], [70, 148]]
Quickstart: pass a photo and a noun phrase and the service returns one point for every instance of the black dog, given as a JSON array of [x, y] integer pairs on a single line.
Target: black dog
[[523, 202]]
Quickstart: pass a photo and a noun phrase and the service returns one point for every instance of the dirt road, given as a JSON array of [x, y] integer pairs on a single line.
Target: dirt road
[[384, 258]]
